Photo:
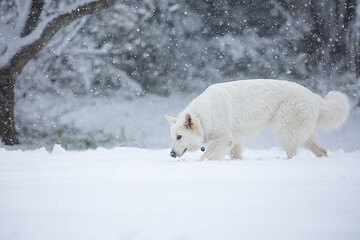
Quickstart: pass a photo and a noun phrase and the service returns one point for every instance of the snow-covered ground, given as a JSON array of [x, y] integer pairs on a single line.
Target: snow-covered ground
[[142, 194]]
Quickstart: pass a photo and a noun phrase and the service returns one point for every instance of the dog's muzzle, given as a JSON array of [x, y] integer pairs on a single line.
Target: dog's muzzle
[[173, 154]]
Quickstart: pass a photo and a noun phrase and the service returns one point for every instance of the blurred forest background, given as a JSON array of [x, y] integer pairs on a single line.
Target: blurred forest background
[[108, 78]]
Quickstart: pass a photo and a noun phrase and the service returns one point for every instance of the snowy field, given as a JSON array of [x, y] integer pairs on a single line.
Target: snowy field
[[141, 194]]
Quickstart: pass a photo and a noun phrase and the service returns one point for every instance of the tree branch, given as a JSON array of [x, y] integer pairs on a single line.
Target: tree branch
[[27, 52], [33, 17], [24, 10]]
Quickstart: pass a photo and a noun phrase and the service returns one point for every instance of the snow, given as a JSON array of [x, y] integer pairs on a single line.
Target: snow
[[130, 193]]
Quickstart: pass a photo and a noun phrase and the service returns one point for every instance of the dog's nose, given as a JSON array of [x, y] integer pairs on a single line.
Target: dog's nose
[[173, 154]]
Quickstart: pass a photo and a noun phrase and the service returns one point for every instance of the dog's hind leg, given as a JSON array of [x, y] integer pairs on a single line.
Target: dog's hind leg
[[293, 123], [236, 151], [285, 136], [312, 145], [218, 149]]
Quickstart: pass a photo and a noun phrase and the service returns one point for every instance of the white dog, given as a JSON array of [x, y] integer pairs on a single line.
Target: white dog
[[230, 113]]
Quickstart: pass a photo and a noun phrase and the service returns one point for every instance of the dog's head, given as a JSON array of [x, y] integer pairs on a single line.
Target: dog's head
[[186, 134]]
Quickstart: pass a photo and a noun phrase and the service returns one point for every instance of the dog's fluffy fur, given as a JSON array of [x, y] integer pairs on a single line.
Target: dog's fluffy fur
[[230, 113]]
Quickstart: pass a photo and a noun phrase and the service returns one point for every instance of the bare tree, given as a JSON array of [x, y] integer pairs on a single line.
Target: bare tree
[[22, 39]]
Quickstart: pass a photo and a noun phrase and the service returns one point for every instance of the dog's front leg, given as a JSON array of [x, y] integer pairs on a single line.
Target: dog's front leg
[[218, 149]]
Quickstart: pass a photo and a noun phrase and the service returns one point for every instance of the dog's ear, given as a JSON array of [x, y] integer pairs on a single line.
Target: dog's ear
[[170, 119], [188, 121]]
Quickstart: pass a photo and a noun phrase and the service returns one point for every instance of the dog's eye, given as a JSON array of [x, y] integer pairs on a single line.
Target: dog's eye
[[178, 137]]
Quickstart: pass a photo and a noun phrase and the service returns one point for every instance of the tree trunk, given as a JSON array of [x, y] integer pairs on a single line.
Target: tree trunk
[[7, 123]]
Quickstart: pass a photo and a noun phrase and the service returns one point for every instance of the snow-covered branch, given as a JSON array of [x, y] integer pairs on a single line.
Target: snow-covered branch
[[24, 8], [17, 50]]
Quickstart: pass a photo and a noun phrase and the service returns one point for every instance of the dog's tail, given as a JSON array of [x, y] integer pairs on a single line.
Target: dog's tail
[[334, 109]]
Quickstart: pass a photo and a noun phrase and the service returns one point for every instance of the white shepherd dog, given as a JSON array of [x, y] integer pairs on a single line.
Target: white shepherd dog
[[230, 113]]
